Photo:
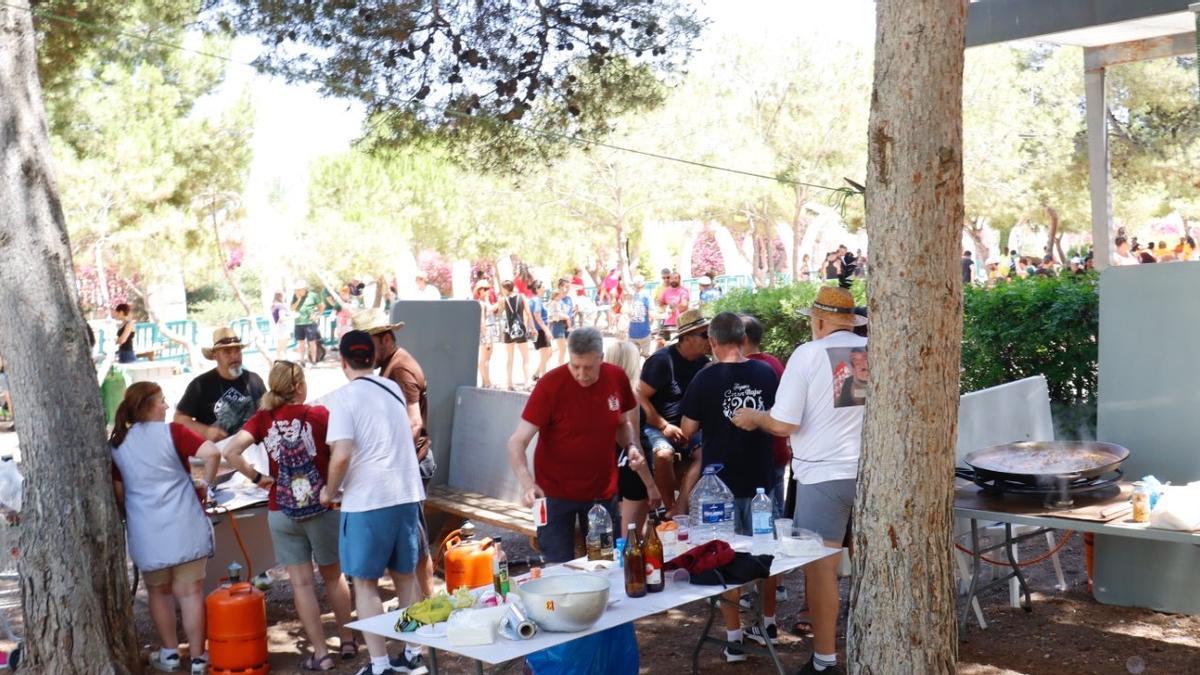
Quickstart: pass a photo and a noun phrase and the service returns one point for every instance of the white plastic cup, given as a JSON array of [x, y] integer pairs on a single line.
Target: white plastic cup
[[783, 527]]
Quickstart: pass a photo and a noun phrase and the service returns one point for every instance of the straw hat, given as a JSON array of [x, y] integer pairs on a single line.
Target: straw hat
[[835, 305], [690, 322], [222, 337], [373, 322]]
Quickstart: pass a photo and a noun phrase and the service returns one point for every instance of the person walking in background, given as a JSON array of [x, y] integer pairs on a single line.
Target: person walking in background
[[170, 537], [635, 482], [373, 468], [639, 318], [489, 332], [514, 331], [541, 325], [560, 310], [308, 307], [674, 301], [968, 266], [283, 321], [425, 290], [125, 332], [303, 531]]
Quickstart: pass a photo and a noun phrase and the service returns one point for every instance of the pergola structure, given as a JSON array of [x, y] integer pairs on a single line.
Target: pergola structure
[[1111, 32]]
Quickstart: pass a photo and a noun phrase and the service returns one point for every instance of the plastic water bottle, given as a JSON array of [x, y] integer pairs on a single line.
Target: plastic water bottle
[[711, 508], [600, 534], [761, 513]]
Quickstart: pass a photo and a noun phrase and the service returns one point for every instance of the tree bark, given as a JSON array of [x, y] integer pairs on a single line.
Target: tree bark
[[799, 226], [237, 291], [902, 596], [1053, 238], [74, 588], [974, 228]]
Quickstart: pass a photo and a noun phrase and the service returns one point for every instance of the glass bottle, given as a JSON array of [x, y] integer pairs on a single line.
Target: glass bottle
[[635, 565], [652, 551]]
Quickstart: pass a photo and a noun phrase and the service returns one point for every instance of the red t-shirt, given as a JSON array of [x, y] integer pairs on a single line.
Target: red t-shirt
[[266, 426], [578, 281], [577, 428], [781, 453]]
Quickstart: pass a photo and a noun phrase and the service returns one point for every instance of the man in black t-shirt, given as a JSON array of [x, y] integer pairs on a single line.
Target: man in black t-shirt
[[218, 402], [746, 458], [967, 265], [663, 383]]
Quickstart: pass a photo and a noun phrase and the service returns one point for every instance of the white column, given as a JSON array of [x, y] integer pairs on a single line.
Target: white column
[[1098, 166]]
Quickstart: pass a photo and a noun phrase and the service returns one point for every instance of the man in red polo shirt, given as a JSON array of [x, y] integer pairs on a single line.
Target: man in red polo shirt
[[580, 413]]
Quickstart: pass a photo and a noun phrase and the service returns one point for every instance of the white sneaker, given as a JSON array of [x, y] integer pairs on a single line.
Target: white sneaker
[[199, 666], [168, 664]]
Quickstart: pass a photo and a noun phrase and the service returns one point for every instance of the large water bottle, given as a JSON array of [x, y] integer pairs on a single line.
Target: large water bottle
[[761, 513], [600, 534], [711, 508]]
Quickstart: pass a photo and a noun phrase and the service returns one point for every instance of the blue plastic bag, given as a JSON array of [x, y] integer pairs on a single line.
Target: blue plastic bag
[[609, 652]]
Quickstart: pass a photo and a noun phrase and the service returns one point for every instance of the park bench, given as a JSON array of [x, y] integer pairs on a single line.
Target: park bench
[[480, 486]]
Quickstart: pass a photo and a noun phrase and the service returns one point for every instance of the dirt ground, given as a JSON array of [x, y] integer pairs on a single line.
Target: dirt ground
[[1067, 633]]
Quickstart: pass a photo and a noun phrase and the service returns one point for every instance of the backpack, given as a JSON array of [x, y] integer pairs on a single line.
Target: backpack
[[298, 485]]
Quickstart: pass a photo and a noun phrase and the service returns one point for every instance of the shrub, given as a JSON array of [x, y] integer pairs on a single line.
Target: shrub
[[778, 310], [706, 255]]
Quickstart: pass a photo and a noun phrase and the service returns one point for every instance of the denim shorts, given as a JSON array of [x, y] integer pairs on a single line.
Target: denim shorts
[[558, 330], [653, 440], [373, 542], [301, 542], [307, 331]]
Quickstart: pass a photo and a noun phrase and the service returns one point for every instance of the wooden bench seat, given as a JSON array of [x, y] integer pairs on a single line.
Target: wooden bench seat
[[462, 505]]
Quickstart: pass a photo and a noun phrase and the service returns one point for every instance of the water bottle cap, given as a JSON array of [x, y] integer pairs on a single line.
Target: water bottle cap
[[713, 469]]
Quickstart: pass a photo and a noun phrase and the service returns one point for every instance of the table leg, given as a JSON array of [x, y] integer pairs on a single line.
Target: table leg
[[976, 572], [712, 614], [479, 667], [762, 627], [433, 665], [1012, 560]]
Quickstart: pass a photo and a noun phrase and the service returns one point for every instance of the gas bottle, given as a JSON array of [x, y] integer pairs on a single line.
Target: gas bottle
[[237, 628], [468, 561]]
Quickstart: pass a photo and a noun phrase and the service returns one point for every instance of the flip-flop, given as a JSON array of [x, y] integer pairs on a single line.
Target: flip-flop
[[348, 649], [313, 664]]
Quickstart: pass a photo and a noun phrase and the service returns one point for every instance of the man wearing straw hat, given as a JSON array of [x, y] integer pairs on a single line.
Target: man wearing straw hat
[[218, 402], [819, 406]]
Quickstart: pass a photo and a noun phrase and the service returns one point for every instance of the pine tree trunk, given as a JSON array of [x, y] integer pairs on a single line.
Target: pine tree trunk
[[902, 596], [74, 588]]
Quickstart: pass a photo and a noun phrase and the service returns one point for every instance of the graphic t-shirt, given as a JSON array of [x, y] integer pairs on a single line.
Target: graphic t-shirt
[[215, 401], [290, 422], [823, 391], [383, 468], [670, 374], [639, 317], [780, 451], [714, 395], [577, 428], [672, 297], [306, 309]]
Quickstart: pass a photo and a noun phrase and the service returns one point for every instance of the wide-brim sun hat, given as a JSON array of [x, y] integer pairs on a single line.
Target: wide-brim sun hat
[[690, 322], [222, 338], [835, 305], [373, 322]]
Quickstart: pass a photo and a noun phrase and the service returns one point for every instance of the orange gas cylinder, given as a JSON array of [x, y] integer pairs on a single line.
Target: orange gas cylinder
[[237, 628], [468, 561]]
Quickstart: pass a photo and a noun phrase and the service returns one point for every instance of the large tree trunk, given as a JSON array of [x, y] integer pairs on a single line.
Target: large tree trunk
[[902, 596], [74, 588], [1052, 239]]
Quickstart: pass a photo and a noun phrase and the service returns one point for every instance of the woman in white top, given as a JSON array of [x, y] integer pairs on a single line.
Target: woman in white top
[[170, 538]]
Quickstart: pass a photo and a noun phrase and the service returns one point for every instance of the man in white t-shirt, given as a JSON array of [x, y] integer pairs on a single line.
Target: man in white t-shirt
[[425, 290], [1122, 255], [373, 464], [820, 405]]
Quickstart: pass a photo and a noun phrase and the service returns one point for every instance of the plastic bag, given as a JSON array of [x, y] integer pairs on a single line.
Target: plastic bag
[[609, 652], [1177, 509], [11, 486]]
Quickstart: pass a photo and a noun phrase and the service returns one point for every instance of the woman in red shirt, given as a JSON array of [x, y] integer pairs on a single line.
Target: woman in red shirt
[[302, 530]]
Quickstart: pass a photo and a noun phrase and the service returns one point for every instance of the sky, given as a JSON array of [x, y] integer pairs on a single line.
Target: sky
[[294, 125]]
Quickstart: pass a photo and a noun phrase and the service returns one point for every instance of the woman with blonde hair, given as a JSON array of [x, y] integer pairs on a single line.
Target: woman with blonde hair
[[170, 537], [302, 530], [635, 484]]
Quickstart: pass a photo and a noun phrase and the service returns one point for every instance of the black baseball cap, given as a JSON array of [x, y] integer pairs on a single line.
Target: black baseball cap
[[357, 344]]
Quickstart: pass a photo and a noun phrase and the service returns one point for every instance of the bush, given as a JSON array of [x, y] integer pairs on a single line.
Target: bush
[[778, 309]]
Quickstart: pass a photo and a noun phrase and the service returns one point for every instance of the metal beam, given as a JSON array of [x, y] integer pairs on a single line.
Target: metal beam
[[1183, 44], [994, 21], [1098, 167]]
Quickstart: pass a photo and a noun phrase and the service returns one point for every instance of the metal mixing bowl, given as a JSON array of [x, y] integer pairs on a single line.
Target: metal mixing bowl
[[565, 603]]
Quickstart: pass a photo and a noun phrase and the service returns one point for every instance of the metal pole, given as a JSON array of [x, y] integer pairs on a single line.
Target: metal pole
[[1098, 167]]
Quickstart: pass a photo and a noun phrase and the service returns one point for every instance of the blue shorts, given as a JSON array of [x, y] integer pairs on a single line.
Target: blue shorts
[[373, 542], [558, 330], [653, 440]]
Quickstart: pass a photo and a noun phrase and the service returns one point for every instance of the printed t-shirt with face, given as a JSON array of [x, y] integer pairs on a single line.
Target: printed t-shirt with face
[[780, 451], [672, 297], [215, 401], [670, 374], [717, 392], [308, 424], [639, 317], [829, 439], [577, 428], [383, 468]]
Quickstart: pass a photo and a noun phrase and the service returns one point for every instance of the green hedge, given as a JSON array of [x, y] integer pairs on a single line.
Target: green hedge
[[1043, 325]]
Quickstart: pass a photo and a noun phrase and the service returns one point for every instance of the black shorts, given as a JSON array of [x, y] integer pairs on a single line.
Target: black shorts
[[541, 342], [510, 340], [307, 331], [630, 485]]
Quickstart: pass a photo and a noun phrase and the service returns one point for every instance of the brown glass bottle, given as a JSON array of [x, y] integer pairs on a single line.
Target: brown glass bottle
[[652, 551], [635, 564]]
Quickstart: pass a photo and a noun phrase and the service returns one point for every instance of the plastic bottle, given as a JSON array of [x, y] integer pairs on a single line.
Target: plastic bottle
[[635, 565], [761, 513], [711, 508], [500, 581], [600, 534]]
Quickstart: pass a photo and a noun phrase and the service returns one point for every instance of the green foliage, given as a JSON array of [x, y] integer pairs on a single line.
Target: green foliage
[[778, 308]]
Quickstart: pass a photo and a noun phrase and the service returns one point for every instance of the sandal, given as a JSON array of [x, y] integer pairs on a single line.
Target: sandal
[[311, 663], [348, 649]]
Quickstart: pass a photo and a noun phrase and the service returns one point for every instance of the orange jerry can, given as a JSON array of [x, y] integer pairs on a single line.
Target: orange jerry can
[[237, 628], [468, 561]]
